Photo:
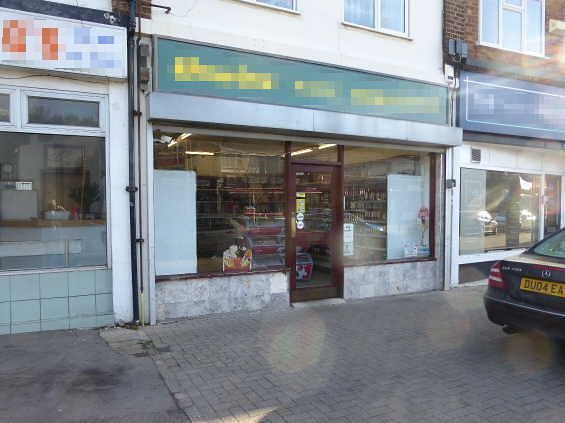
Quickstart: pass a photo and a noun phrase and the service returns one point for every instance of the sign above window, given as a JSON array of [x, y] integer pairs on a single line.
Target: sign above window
[[194, 69], [506, 106], [62, 45]]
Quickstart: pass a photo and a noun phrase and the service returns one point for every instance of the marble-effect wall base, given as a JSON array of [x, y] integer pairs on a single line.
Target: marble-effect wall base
[[197, 297], [391, 279]]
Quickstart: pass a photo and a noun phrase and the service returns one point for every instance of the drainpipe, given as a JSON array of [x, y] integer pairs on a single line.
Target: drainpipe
[[131, 188]]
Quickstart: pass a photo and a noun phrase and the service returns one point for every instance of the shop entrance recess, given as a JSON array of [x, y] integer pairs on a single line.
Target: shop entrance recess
[[316, 222]]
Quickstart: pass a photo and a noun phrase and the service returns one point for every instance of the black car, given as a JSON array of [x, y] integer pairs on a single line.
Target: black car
[[528, 291]]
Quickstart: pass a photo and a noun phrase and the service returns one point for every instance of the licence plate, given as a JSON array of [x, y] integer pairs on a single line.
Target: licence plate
[[543, 287]]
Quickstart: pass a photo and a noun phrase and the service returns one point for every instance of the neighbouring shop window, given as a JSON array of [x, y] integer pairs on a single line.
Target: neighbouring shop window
[[387, 205], [52, 201], [58, 111], [516, 25], [383, 15], [498, 210], [219, 204], [4, 108], [552, 200]]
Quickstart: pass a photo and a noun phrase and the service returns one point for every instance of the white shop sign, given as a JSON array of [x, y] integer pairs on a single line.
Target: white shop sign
[[42, 42]]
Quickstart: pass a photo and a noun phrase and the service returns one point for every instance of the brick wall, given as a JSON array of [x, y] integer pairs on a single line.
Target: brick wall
[[122, 7], [461, 20]]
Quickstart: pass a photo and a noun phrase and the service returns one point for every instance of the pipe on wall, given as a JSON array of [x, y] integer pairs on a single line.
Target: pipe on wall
[[132, 188]]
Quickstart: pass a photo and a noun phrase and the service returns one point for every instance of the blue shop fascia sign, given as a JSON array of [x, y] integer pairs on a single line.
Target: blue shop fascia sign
[[202, 70], [511, 107]]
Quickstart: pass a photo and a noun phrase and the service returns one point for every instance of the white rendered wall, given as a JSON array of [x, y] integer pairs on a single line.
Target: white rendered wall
[[315, 33]]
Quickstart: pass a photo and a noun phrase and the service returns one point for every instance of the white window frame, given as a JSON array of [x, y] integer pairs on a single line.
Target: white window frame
[[293, 9], [68, 129], [13, 105], [504, 5], [377, 21], [19, 123]]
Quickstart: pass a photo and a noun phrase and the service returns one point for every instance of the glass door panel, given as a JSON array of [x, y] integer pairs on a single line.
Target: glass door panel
[[314, 214]]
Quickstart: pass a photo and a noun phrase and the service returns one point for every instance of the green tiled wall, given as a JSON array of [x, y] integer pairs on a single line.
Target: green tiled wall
[[58, 300]]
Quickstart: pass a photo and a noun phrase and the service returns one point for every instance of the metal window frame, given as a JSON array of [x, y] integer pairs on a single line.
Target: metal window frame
[[523, 10]]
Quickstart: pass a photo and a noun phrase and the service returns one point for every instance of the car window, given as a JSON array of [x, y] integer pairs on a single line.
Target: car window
[[552, 247]]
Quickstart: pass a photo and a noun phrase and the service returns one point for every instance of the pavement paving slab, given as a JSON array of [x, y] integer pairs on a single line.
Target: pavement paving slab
[[431, 357], [74, 376]]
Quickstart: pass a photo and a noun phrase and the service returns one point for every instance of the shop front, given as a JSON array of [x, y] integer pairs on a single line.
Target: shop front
[[59, 146], [509, 172], [276, 181]]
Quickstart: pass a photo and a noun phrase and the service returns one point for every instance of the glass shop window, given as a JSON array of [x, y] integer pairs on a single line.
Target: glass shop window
[[52, 201], [59, 111], [498, 211], [4, 108], [219, 204], [552, 199], [387, 205]]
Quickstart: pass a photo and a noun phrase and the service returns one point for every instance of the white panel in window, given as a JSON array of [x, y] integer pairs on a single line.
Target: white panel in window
[[512, 29], [360, 12], [287, 4], [534, 26], [490, 13], [393, 15]]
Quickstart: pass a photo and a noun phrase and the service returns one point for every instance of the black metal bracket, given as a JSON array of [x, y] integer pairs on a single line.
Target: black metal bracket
[[158, 6], [139, 240], [131, 189]]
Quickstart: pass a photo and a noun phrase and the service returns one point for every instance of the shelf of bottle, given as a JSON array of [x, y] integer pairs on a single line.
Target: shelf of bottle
[[371, 248], [361, 200], [373, 236], [244, 190], [360, 210]]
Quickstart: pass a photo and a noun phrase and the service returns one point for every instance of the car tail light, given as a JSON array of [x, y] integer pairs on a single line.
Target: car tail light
[[495, 279]]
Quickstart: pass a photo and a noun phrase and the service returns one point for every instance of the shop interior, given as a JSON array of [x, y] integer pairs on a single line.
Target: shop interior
[[221, 203]]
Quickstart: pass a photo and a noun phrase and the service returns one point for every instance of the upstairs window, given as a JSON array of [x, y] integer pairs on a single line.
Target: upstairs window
[[284, 4], [389, 16], [517, 25]]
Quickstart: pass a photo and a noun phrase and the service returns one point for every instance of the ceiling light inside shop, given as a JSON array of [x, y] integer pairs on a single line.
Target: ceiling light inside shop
[[303, 151], [183, 136], [324, 146], [199, 153]]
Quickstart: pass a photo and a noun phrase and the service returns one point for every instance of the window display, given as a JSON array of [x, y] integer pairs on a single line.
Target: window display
[[52, 201], [387, 205], [238, 196], [498, 210]]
